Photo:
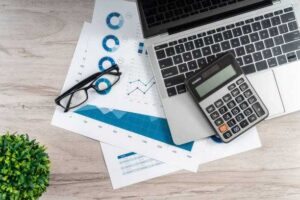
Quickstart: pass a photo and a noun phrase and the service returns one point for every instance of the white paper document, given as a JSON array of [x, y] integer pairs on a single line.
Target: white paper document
[[126, 168], [130, 116]]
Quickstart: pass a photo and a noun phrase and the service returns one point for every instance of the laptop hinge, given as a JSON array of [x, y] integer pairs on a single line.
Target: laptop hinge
[[276, 1], [164, 34], [218, 17]]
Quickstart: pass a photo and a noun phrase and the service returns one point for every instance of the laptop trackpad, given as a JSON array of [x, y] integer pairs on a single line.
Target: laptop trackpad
[[266, 87], [289, 85], [185, 119]]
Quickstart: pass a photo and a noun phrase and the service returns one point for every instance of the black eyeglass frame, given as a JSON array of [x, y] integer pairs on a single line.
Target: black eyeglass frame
[[80, 86]]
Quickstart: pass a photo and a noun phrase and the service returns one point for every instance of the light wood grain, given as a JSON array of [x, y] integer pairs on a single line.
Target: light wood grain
[[37, 41]]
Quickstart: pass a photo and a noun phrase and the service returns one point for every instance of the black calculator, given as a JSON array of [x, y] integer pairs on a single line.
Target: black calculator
[[226, 98]]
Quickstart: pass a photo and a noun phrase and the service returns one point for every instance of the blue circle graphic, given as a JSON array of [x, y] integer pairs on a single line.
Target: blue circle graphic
[[103, 60], [120, 20], [111, 38], [105, 81]]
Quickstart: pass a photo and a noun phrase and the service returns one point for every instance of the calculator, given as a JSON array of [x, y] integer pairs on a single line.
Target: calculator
[[226, 98]]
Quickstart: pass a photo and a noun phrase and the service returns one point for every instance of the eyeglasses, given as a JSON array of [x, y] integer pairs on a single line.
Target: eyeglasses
[[101, 82]]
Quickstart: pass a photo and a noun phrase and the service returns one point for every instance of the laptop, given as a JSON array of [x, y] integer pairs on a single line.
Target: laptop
[[184, 36]]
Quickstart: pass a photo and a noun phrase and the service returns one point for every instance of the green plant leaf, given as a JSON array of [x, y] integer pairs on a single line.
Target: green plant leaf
[[24, 168]]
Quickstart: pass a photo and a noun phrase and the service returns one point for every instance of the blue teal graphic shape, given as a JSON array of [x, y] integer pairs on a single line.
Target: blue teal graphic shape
[[114, 39], [152, 127], [103, 60], [141, 48], [126, 155], [120, 21], [105, 81], [216, 139]]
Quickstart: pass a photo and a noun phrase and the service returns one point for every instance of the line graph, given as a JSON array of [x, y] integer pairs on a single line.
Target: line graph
[[146, 86]]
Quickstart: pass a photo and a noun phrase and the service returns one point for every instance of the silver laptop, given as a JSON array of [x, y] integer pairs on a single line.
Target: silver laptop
[[183, 36]]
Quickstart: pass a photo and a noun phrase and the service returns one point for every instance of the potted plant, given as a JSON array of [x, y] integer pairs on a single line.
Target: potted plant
[[24, 168]]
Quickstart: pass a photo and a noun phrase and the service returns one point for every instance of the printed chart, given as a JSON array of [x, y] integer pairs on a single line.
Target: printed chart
[[122, 43], [126, 168], [132, 162], [116, 116], [148, 126]]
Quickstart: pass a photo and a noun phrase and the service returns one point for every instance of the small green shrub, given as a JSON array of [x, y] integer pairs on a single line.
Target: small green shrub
[[24, 168]]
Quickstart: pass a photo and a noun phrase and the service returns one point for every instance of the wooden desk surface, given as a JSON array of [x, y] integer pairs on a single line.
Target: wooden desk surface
[[37, 41]]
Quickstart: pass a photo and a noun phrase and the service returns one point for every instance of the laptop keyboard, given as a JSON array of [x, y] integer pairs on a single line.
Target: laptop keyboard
[[258, 43], [161, 12]]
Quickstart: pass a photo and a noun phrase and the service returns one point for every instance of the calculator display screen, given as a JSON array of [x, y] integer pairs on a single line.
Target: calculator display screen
[[216, 80]]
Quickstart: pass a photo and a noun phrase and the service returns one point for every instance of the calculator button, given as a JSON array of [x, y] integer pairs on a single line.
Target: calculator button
[[248, 93], [252, 118], [223, 110], [214, 115], [252, 100], [239, 99], [231, 87], [227, 98], [219, 121], [231, 123], [258, 109], [244, 123], [231, 104], [248, 111], [244, 105], [227, 116], [236, 129], [223, 128], [240, 117], [235, 111], [240, 81], [227, 135], [210, 109], [219, 103], [235, 92], [244, 87]]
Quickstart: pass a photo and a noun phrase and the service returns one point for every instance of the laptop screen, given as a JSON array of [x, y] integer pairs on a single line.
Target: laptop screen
[[160, 16]]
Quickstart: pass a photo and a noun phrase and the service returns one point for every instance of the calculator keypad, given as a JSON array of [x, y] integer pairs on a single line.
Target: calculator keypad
[[248, 93], [244, 87], [252, 118], [210, 109], [236, 110], [248, 111], [227, 135], [239, 117], [231, 104], [219, 103], [231, 123], [227, 98], [219, 122], [223, 110], [258, 109], [231, 87], [214, 115], [239, 99], [236, 129], [235, 92]]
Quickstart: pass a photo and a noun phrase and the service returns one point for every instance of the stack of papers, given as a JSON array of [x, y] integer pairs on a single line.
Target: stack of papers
[[129, 120]]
